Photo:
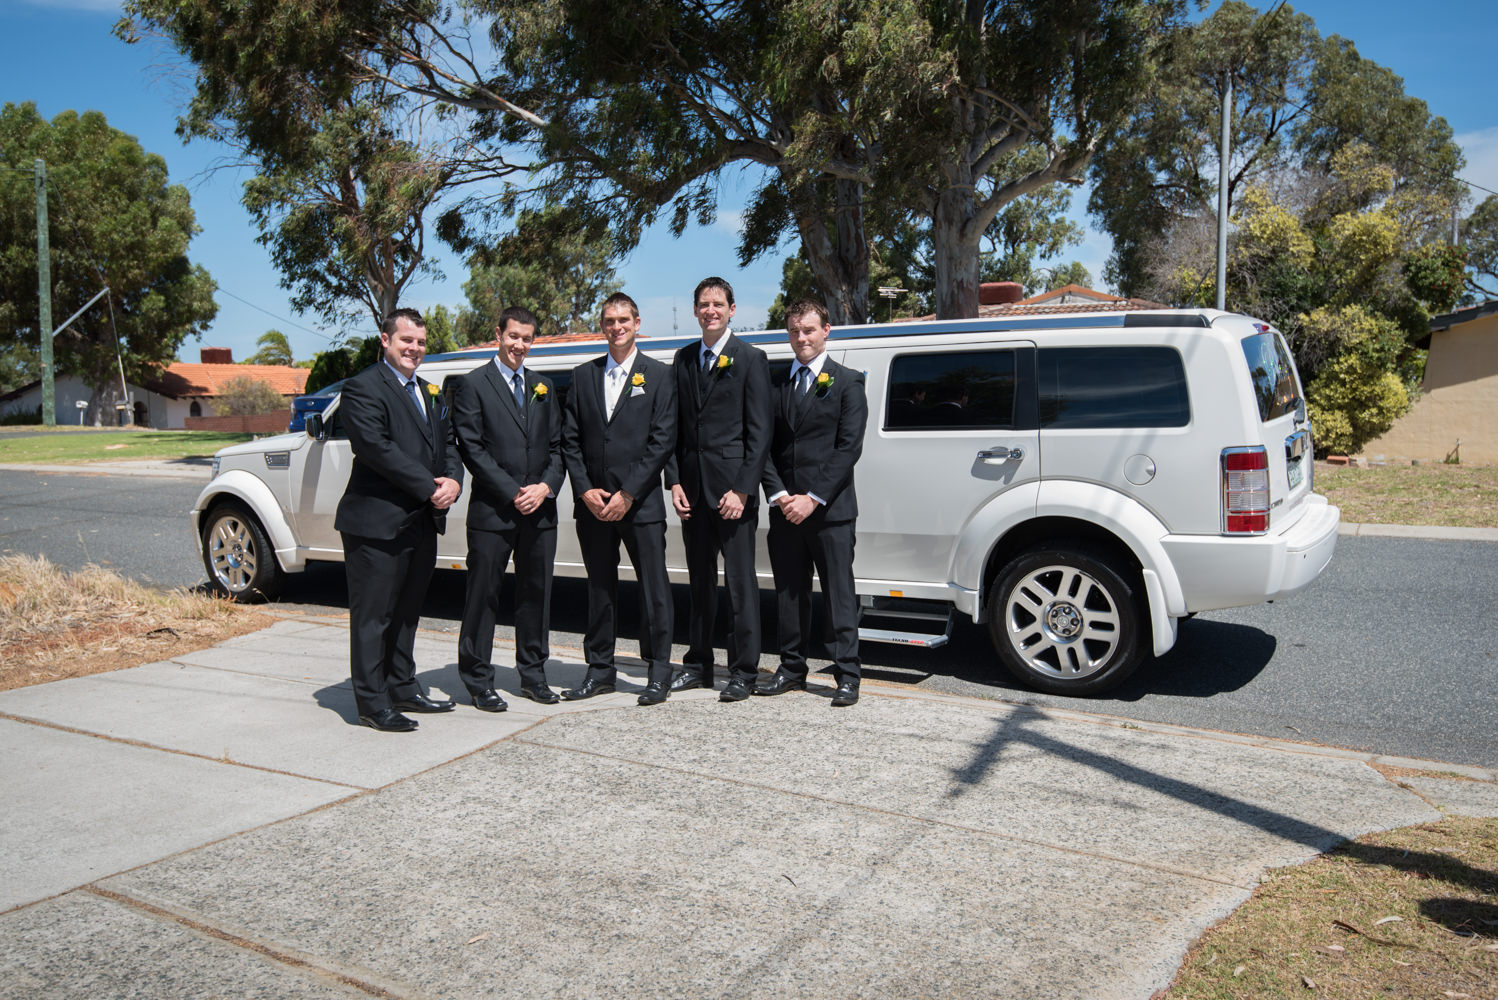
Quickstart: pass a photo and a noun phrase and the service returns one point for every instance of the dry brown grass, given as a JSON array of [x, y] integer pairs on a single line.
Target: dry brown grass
[[1407, 913], [55, 624], [1457, 496]]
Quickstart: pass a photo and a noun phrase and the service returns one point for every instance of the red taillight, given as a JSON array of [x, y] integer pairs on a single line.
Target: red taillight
[[1245, 490]]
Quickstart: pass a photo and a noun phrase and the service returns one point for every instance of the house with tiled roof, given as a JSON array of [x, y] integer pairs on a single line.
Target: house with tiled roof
[[184, 390]]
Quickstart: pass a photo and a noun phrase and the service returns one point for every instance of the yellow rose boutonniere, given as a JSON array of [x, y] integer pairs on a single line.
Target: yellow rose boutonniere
[[723, 362], [432, 390], [638, 381], [824, 382], [538, 394]]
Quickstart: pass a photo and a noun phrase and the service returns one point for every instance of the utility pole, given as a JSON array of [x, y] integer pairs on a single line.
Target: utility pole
[[1224, 154], [44, 291]]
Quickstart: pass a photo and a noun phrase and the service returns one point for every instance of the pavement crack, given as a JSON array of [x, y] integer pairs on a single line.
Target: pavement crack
[[277, 955]]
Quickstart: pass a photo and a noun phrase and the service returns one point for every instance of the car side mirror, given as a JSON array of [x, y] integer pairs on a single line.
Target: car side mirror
[[315, 429]]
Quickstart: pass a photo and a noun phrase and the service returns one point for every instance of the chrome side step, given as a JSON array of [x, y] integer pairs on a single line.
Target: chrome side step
[[896, 611]]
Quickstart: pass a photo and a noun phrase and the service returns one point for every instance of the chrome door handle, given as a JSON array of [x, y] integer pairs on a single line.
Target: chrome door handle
[[998, 456]]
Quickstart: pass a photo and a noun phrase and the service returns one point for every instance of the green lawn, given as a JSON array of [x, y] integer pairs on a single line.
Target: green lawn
[[63, 445]]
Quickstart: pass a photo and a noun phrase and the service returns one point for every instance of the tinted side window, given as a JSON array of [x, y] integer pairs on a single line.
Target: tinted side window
[[1112, 387], [1273, 375], [967, 389]]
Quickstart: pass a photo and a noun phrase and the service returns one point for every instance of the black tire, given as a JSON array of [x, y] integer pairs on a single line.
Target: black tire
[[239, 558], [1065, 620]]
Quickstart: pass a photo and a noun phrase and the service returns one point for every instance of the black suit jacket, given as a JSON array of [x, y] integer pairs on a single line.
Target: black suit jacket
[[817, 440], [505, 451], [397, 455], [709, 462], [625, 450]]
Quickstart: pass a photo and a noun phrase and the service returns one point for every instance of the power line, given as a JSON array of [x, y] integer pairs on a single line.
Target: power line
[[316, 333]]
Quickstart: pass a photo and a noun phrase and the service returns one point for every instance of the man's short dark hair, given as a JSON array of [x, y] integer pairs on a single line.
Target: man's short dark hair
[[713, 282], [518, 314], [803, 306], [388, 327], [618, 299]]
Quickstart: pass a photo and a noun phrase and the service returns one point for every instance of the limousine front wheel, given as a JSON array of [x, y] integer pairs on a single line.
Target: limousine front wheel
[[240, 561], [1064, 620]]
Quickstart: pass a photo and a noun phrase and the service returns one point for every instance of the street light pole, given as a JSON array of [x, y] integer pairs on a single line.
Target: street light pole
[[1224, 153]]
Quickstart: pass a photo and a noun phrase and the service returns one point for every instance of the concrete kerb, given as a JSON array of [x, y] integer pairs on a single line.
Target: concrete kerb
[[207, 824]]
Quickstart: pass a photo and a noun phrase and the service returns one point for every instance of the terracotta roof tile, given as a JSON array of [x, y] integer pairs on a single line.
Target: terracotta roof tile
[[182, 379]]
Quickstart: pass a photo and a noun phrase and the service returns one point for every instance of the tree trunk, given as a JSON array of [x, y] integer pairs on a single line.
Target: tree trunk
[[955, 238], [839, 261]]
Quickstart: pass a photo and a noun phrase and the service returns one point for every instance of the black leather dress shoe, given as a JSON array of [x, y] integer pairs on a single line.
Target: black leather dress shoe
[[655, 692], [845, 695], [736, 690], [388, 720], [780, 684], [589, 688], [427, 706], [686, 680], [488, 700], [539, 693]]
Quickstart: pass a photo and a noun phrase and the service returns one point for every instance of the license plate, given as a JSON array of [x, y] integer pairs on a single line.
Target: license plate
[[1295, 471]]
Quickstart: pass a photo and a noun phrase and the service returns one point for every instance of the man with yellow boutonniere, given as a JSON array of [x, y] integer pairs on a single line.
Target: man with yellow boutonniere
[[819, 414], [722, 439], [618, 430], [405, 475], [510, 435]]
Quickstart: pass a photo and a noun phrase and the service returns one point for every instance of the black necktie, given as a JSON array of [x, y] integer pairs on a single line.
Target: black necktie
[[411, 391]]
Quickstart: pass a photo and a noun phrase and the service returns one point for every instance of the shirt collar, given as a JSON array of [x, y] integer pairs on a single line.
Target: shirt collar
[[396, 372], [506, 372], [717, 348], [628, 363], [815, 366]]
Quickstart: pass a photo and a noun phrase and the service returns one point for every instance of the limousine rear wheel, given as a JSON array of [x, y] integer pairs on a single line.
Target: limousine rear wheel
[[240, 560], [1065, 620]]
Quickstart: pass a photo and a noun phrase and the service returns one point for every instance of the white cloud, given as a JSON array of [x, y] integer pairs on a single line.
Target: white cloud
[[1481, 150]]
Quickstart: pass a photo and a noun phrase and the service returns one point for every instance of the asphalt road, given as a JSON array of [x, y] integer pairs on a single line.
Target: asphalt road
[[1393, 650]]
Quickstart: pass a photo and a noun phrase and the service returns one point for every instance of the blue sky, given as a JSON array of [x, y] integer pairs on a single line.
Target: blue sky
[[61, 55]]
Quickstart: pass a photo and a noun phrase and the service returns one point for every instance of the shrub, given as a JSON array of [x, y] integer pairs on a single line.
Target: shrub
[[244, 396]]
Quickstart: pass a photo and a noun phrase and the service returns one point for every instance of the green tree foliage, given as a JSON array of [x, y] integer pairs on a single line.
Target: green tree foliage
[[348, 166], [629, 112], [1480, 238], [1356, 396], [559, 272], [275, 349], [1298, 99], [115, 221], [245, 396], [339, 363], [442, 331]]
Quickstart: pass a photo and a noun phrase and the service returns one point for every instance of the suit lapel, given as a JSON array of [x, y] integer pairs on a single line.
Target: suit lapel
[[393, 386]]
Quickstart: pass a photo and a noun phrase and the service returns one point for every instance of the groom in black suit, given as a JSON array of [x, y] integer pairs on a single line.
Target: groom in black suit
[[820, 411], [723, 436], [509, 427], [405, 475], [618, 430]]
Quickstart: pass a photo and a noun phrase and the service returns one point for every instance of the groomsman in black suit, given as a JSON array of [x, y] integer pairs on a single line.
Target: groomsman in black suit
[[722, 438], [618, 430], [820, 410], [509, 428], [405, 475]]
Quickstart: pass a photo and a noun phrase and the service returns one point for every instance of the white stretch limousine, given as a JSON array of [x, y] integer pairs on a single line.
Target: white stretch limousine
[[1080, 482]]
